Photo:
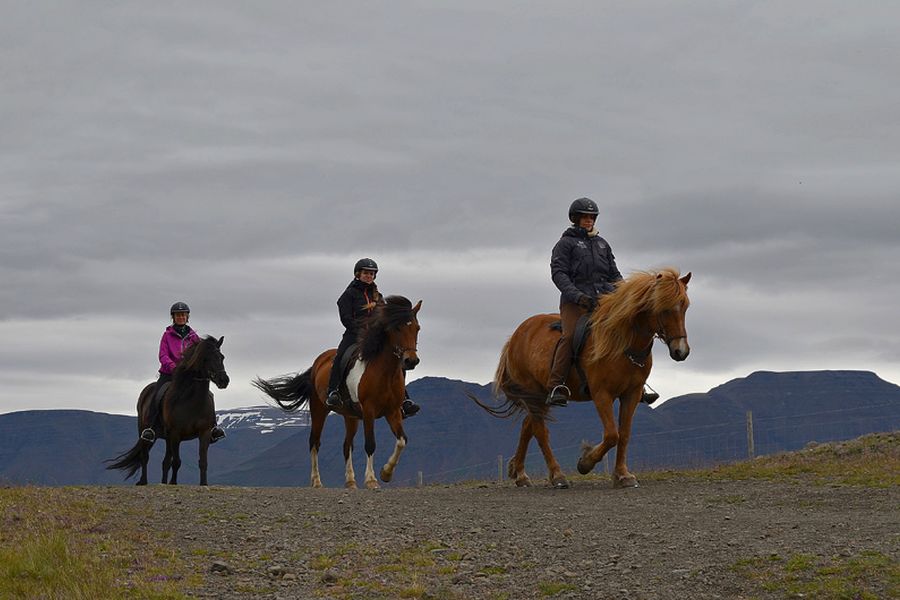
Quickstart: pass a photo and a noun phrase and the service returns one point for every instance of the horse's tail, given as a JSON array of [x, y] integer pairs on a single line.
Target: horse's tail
[[131, 460], [290, 392], [509, 405]]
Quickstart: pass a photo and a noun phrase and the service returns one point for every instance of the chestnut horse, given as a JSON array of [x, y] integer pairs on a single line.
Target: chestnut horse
[[615, 361], [387, 348], [187, 408]]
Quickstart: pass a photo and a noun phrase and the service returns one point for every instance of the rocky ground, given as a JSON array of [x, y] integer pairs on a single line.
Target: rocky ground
[[669, 538]]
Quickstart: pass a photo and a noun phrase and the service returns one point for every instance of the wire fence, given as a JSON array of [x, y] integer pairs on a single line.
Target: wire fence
[[694, 447]]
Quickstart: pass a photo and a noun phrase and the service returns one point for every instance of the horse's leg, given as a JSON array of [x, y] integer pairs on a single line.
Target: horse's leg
[[350, 427], [204, 450], [369, 430], [516, 468], [167, 462], [395, 420], [542, 435], [145, 458], [176, 460], [591, 455], [627, 405], [317, 424]]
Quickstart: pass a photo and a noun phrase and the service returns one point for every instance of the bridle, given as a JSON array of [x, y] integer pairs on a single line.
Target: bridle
[[399, 351], [639, 358]]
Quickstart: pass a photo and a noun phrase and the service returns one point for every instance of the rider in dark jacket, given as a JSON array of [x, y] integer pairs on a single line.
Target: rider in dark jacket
[[583, 268], [355, 306]]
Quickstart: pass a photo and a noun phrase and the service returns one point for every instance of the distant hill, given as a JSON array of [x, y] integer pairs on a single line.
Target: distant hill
[[452, 439]]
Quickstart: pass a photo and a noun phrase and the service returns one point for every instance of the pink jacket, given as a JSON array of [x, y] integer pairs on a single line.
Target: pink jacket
[[171, 346]]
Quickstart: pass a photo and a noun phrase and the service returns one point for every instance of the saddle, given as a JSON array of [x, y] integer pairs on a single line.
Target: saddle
[[348, 360], [582, 328]]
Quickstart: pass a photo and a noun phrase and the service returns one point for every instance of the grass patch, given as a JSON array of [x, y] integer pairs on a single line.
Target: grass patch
[[57, 543], [868, 576], [552, 588]]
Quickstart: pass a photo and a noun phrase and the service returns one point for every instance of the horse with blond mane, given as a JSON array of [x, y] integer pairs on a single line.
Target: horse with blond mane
[[615, 363]]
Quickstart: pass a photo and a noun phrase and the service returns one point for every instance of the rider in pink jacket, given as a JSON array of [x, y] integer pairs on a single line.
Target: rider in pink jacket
[[175, 340]]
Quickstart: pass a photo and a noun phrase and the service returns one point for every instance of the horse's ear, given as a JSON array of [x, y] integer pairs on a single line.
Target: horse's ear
[[686, 278], [219, 343], [417, 307]]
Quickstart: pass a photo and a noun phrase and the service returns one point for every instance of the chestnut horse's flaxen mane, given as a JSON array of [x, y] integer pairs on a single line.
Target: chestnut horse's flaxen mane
[[612, 322]]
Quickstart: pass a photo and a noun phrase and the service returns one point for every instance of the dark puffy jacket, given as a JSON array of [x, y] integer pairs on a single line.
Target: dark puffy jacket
[[583, 265], [352, 301]]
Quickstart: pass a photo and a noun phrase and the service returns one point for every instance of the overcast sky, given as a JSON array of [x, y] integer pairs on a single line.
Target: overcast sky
[[242, 156]]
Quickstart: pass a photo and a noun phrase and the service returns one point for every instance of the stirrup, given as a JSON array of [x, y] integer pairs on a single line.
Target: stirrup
[[333, 400], [148, 435], [559, 395], [409, 408], [649, 397], [216, 434]]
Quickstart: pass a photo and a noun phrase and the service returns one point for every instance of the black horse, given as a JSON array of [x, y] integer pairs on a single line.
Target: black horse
[[187, 408]]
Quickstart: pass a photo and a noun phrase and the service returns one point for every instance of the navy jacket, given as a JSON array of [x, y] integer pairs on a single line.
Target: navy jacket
[[352, 301], [583, 265]]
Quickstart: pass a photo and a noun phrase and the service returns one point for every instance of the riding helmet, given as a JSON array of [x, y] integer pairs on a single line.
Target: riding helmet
[[179, 307], [583, 206], [365, 263]]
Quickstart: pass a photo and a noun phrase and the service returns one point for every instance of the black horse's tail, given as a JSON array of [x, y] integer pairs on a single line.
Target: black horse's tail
[[130, 461], [289, 391]]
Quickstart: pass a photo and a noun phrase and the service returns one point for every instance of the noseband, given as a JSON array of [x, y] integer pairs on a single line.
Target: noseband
[[639, 359]]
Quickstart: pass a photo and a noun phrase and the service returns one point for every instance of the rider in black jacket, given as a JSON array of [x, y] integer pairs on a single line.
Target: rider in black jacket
[[354, 307], [583, 268]]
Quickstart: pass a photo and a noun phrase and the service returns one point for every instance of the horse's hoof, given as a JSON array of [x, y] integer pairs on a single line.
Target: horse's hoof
[[386, 476], [523, 482], [350, 485], [584, 467], [372, 485], [141, 483], [628, 481], [559, 483]]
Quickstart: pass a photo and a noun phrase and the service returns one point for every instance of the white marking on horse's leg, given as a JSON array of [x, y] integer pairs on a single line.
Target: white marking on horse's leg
[[353, 379], [349, 475], [314, 479], [388, 471], [371, 482]]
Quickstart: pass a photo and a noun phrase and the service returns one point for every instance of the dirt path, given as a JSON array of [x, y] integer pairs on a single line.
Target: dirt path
[[666, 539]]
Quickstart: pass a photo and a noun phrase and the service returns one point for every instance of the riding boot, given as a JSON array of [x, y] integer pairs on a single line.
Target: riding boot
[[562, 355], [409, 408], [334, 401], [649, 397], [216, 434]]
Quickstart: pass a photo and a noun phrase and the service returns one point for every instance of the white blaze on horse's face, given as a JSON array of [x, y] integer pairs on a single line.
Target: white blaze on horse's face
[[673, 332]]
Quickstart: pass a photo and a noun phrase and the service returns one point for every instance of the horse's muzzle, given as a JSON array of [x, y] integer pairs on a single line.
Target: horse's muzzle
[[679, 349], [221, 380], [410, 362]]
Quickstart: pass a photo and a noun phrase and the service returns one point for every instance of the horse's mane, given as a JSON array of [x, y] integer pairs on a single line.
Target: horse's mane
[[395, 312], [194, 356], [612, 322]]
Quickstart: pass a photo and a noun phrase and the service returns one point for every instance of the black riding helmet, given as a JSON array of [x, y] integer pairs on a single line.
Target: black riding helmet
[[582, 206], [365, 263], [179, 307]]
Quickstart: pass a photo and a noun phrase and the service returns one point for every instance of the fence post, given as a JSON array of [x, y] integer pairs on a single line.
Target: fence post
[[420, 479], [751, 453], [499, 468]]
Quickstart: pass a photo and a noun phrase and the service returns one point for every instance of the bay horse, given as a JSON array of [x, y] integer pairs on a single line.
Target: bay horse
[[616, 360], [387, 348], [188, 411]]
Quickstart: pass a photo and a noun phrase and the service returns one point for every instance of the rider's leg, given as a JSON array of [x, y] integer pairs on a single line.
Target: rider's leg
[[408, 408], [333, 399], [154, 427], [562, 357]]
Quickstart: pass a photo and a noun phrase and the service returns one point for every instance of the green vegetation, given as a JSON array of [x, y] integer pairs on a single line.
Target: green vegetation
[[872, 461], [54, 544], [867, 576], [551, 588]]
